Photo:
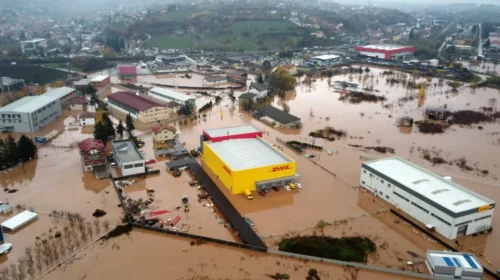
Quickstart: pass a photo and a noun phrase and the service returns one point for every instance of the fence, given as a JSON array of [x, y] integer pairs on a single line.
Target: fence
[[200, 237], [353, 264]]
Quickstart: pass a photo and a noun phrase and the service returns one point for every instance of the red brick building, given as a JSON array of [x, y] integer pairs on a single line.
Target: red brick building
[[100, 82], [93, 153]]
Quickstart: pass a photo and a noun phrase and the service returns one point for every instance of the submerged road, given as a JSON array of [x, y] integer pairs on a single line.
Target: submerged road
[[246, 232]]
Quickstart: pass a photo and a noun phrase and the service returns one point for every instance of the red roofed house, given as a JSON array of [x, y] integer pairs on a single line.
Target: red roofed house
[[139, 107], [127, 71], [163, 133], [77, 103], [93, 153]]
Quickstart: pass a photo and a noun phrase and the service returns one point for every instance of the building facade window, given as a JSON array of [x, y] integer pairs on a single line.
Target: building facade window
[[128, 166], [138, 165], [482, 218]]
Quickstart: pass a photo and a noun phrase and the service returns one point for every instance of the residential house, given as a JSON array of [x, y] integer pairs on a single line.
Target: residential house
[[78, 104], [162, 133], [100, 82], [276, 117], [82, 85], [246, 97], [215, 80], [92, 153], [260, 90], [86, 118]]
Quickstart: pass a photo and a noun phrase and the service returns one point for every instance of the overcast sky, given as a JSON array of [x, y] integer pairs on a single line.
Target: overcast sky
[[375, 2]]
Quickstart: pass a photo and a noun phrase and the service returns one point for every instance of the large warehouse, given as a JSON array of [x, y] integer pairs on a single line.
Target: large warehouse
[[325, 60], [242, 160], [168, 95], [387, 52], [140, 107], [437, 202]]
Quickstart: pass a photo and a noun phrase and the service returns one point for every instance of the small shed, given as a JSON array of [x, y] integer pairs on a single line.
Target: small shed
[[436, 113]]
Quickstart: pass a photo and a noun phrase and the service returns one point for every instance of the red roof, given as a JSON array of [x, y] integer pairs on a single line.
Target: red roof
[[127, 69], [134, 101], [78, 101], [157, 128], [90, 144]]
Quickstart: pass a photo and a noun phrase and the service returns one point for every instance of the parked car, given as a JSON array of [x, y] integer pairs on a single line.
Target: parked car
[[261, 192], [298, 185], [292, 186], [150, 161], [5, 248], [276, 189], [176, 173], [286, 187]]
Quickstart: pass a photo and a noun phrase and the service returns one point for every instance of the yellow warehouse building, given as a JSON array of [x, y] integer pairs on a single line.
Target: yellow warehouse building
[[248, 163]]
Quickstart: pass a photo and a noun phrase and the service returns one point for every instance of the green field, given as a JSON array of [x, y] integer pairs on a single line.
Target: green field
[[174, 16], [32, 73], [170, 42], [247, 35]]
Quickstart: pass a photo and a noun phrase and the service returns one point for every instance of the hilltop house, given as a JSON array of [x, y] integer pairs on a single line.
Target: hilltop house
[[276, 117]]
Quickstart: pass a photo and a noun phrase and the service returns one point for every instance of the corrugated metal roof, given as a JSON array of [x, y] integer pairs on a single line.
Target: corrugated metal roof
[[134, 101]]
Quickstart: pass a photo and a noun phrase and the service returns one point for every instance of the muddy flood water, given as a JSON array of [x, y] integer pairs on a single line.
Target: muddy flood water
[[56, 182]]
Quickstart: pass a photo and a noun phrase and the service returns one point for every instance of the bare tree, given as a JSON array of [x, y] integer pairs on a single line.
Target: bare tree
[[38, 257], [106, 225], [61, 246], [13, 271], [21, 269], [76, 239], [90, 231], [55, 252], [4, 273], [83, 234], [97, 225], [30, 262]]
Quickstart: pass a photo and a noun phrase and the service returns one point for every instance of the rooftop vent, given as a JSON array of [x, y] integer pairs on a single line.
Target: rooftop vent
[[440, 191], [420, 181], [461, 202]]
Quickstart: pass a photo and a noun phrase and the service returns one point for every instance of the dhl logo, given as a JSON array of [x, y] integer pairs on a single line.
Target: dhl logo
[[227, 169], [280, 168]]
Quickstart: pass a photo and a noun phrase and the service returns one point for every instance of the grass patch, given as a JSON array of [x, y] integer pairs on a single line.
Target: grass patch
[[468, 117], [252, 35], [430, 127], [32, 73], [170, 42], [353, 249], [358, 97]]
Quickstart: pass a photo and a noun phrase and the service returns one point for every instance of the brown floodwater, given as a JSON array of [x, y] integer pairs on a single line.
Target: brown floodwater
[[57, 182], [174, 258]]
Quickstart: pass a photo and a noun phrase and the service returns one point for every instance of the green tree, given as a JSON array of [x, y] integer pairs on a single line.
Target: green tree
[[129, 124], [186, 109], [27, 149], [218, 99], [261, 79], [100, 132], [281, 81], [232, 97], [120, 129], [487, 44], [3, 154], [90, 90], [109, 125], [94, 100], [12, 151], [22, 35]]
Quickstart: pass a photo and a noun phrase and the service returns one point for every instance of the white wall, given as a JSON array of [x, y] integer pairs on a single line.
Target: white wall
[[133, 170], [373, 54], [386, 190], [260, 94]]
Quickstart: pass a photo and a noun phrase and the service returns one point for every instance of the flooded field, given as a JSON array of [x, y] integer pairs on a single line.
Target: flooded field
[[175, 258]]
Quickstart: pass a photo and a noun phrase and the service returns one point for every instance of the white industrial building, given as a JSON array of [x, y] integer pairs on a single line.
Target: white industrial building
[[128, 158], [454, 265], [167, 95], [325, 60], [440, 204]]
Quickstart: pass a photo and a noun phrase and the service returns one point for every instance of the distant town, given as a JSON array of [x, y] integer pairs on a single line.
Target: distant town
[[249, 140]]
